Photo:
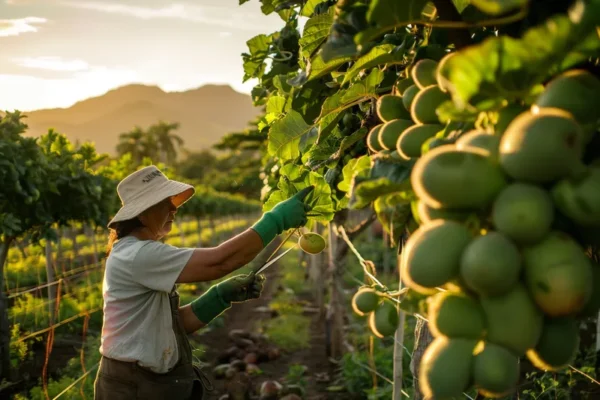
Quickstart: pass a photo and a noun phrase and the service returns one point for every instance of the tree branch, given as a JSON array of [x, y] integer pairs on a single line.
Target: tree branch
[[357, 230], [447, 12]]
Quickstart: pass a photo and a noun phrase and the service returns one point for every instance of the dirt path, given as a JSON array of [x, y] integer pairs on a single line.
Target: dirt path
[[247, 316]]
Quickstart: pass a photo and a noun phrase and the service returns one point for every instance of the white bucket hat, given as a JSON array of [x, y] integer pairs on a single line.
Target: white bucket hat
[[145, 188]]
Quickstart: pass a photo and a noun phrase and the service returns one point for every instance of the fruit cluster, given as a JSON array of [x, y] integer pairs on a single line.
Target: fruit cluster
[[505, 216]]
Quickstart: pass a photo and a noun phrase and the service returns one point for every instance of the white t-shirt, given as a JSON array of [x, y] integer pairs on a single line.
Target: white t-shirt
[[138, 278]]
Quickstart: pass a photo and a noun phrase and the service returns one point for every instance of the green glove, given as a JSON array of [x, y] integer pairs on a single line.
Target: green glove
[[219, 297], [290, 213]]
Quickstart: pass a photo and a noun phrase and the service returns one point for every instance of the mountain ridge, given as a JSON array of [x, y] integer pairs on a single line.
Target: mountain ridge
[[205, 114]]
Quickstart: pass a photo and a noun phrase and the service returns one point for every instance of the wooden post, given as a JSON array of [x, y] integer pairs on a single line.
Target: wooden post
[[398, 345], [50, 277]]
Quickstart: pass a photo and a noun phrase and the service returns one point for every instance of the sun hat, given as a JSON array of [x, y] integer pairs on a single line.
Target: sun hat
[[146, 188]]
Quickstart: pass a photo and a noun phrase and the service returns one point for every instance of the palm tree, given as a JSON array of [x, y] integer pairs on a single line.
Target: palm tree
[[133, 142], [167, 142]]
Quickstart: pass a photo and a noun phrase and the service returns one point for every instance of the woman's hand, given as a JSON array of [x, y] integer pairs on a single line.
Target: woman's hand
[[241, 288]]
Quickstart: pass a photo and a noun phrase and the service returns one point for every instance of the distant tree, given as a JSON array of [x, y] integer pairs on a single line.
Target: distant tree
[[197, 165], [166, 141], [133, 142]]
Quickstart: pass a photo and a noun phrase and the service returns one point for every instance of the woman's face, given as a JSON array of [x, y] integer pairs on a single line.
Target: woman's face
[[159, 218]]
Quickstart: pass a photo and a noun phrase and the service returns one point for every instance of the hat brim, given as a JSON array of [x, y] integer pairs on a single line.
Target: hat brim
[[180, 192]]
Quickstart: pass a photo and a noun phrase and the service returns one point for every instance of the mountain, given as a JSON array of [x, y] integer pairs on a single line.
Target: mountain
[[205, 115]]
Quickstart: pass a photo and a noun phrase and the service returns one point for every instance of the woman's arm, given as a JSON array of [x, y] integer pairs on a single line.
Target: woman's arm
[[216, 262], [191, 323]]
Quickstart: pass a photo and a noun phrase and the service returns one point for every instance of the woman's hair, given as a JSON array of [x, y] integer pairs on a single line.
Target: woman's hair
[[120, 230]]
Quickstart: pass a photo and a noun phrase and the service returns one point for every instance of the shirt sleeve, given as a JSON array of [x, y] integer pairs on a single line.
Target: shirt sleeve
[[158, 265]]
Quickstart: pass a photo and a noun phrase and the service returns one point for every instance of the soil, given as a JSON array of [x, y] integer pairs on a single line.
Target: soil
[[246, 316]]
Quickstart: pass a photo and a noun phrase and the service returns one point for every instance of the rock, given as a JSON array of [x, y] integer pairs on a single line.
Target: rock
[[253, 369], [273, 353], [227, 354], [251, 358], [243, 343], [231, 372], [219, 370], [258, 338], [239, 388], [263, 355], [238, 364], [238, 333], [225, 397], [270, 390]]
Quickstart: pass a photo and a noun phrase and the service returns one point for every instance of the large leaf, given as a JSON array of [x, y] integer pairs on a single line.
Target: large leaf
[[350, 140], [355, 167], [382, 54], [309, 7], [315, 33], [504, 67], [496, 7], [319, 68], [295, 178], [386, 15], [387, 175], [254, 62], [355, 94], [285, 135]]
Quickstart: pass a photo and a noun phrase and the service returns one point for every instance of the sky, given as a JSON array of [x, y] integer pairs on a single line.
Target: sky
[[54, 53]]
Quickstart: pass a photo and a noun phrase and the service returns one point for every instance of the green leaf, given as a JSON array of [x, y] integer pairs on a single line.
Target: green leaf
[[387, 175], [254, 63], [496, 7], [327, 125], [309, 8], [387, 15], [508, 68], [316, 31], [349, 141], [295, 178], [285, 135], [461, 4], [378, 55], [356, 166], [357, 93], [319, 68]]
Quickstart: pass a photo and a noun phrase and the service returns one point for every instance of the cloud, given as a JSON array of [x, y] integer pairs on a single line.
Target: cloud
[[15, 27], [52, 64], [217, 16]]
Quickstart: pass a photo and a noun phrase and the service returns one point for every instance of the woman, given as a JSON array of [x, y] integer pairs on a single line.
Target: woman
[[145, 351]]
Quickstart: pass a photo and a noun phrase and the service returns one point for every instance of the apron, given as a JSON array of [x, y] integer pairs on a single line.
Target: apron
[[120, 380]]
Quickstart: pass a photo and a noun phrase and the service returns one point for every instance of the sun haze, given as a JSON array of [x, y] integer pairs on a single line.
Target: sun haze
[[57, 52]]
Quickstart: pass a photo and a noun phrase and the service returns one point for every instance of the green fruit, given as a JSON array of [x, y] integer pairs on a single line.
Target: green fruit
[[592, 306], [431, 256], [390, 107], [425, 103], [491, 265], [479, 139], [384, 320], [575, 91], [424, 73], [541, 147], [365, 301], [312, 243], [558, 275], [523, 212], [513, 320], [557, 346], [495, 371], [506, 116], [350, 120], [455, 315], [449, 178], [390, 132], [428, 214], [404, 84], [445, 369], [373, 139], [411, 140], [409, 96], [580, 199]]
